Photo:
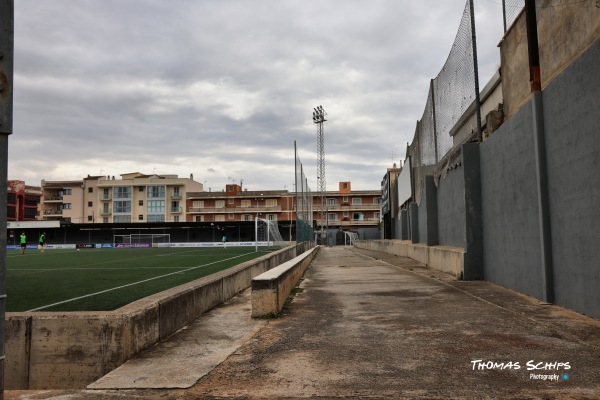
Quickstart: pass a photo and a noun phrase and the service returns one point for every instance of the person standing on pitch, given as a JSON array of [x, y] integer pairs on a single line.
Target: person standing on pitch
[[224, 240], [42, 241], [23, 240]]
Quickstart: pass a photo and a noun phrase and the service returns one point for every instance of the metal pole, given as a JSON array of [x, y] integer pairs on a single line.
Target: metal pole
[[504, 14], [475, 71], [540, 153], [7, 27]]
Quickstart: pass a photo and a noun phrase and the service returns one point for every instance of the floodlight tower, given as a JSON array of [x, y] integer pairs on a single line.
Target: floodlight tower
[[319, 118]]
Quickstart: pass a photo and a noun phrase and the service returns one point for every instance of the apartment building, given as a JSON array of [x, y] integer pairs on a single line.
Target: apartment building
[[22, 201], [135, 197], [344, 208], [234, 204], [348, 209]]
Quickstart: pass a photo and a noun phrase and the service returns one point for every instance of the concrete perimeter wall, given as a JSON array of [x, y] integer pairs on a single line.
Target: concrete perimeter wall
[[490, 202], [70, 350], [447, 259], [512, 240]]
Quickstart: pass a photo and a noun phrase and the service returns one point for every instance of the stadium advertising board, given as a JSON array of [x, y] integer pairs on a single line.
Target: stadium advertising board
[[133, 245], [213, 244]]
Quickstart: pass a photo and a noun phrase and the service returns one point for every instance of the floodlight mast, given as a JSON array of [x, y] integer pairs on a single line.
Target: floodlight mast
[[319, 118]]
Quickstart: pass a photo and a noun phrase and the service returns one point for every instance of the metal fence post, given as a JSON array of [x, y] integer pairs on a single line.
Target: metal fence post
[[6, 122]]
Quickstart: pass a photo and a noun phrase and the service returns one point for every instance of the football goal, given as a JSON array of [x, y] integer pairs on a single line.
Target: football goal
[[142, 238], [350, 238], [267, 234]]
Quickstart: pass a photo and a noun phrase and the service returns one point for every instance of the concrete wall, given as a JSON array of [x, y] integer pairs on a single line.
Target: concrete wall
[[573, 146], [451, 209], [565, 32], [271, 289], [447, 259], [71, 350], [489, 205], [510, 213]]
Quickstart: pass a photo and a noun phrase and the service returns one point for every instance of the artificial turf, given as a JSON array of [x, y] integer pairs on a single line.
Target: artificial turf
[[37, 281]]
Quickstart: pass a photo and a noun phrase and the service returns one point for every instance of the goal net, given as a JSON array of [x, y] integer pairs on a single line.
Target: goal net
[[141, 239], [267, 235], [350, 238]]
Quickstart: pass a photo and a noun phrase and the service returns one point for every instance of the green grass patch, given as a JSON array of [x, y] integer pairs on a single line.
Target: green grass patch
[[106, 279]]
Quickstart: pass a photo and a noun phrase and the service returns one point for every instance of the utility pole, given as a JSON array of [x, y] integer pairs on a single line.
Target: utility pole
[[7, 28], [319, 118]]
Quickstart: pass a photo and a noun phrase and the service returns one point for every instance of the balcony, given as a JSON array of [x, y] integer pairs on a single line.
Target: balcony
[[53, 199], [350, 222], [175, 196], [51, 212], [236, 210], [105, 197], [105, 211], [349, 207], [176, 210]]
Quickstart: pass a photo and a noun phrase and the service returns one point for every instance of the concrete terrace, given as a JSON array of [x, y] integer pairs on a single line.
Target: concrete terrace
[[370, 325]]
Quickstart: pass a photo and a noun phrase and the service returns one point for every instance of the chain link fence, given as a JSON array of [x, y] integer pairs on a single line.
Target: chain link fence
[[453, 94], [510, 11], [304, 211]]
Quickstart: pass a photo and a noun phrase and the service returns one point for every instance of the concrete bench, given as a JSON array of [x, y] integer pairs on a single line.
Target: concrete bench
[[271, 289]]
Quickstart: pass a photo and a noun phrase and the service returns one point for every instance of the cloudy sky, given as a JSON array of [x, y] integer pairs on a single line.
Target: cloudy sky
[[221, 89]]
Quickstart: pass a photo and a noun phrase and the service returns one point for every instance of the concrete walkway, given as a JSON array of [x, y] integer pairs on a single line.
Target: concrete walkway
[[372, 325]]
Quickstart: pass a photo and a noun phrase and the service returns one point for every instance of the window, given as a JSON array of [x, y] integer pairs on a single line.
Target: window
[[247, 217], [377, 216], [176, 193], [272, 217], [332, 216], [346, 214], [90, 190], [175, 206], [246, 203], [140, 217], [66, 206], [271, 202], [377, 200], [90, 218], [198, 204], [122, 218], [90, 204], [156, 192], [175, 218], [220, 204], [122, 192], [141, 189], [345, 185], [105, 194], [356, 201], [345, 199], [68, 192], [123, 206], [105, 220], [331, 202], [156, 218], [141, 203], [231, 215], [156, 206], [199, 218], [230, 201], [219, 217]]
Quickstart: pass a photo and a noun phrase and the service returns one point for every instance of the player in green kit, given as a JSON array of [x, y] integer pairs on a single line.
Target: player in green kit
[[42, 241], [23, 240]]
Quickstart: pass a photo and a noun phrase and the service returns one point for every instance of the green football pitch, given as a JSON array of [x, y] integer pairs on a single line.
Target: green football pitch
[[106, 279]]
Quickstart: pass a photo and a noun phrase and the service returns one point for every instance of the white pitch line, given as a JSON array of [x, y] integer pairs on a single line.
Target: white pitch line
[[132, 284]]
